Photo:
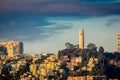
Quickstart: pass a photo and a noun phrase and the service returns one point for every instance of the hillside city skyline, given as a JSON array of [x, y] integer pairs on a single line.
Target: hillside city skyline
[[82, 42]]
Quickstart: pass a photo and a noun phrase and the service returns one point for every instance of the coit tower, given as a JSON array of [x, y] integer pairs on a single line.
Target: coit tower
[[81, 39]]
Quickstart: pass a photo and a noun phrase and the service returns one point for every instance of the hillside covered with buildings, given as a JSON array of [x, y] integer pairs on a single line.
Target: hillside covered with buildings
[[72, 63]]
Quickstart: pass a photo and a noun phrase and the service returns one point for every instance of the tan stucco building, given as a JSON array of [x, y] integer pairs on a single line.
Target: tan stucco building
[[118, 42], [13, 47]]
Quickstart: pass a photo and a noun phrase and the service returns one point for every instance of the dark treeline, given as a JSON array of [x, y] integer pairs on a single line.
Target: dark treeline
[[108, 63]]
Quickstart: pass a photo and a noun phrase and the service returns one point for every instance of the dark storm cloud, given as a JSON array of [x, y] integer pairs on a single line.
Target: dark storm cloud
[[58, 7], [28, 19], [29, 28]]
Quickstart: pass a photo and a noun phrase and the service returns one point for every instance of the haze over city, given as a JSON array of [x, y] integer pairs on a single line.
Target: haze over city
[[46, 25]]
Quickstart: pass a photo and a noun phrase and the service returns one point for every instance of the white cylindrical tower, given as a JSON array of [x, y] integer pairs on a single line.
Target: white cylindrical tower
[[81, 39]]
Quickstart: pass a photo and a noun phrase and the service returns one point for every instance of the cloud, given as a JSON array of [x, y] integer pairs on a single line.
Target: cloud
[[101, 1], [61, 7], [56, 27], [31, 29], [50, 30], [112, 22]]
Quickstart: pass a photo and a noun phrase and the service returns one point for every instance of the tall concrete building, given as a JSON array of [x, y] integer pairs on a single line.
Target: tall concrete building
[[13, 47], [81, 39], [118, 40]]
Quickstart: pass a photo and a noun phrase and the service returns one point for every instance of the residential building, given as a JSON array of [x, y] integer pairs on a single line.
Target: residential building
[[118, 42], [13, 47]]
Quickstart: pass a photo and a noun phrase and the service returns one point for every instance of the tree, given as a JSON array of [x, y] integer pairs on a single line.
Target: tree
[[101, 49], [69, 45], [93, 49], [92, 46]]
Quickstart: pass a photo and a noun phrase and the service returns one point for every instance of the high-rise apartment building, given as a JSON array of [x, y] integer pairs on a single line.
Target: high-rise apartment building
[[118, 40], [13, 47], [81, 39]]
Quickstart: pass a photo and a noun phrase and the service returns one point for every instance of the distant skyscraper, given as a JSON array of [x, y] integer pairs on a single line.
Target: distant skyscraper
[[118, 40], [81, 39], [13, 47]]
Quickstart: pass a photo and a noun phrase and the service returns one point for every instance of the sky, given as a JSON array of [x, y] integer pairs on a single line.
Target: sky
[[46, 25]]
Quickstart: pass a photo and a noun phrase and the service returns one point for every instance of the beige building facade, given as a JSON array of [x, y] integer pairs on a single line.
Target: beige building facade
[[81, 39], [13, 47], [118, 42]]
